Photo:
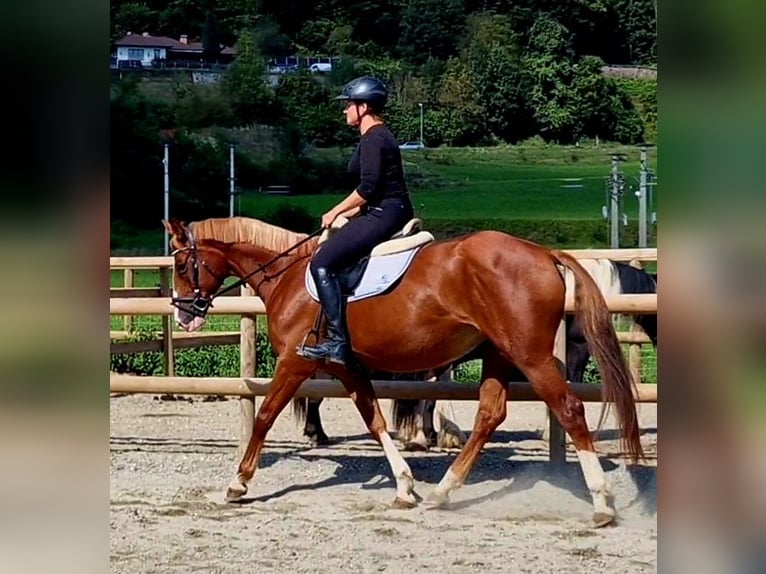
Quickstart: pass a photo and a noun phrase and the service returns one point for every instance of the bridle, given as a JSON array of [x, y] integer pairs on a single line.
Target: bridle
[[198, 304]]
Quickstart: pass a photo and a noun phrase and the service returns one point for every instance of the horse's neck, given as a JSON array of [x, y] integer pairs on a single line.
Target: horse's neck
[[245, 258]]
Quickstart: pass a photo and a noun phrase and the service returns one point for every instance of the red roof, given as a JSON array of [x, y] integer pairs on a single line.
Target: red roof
[[142, 41], [147, 41]]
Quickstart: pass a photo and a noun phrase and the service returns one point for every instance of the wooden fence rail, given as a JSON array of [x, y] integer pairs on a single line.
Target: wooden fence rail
[[316, 388], [646, 303], [183, 340]]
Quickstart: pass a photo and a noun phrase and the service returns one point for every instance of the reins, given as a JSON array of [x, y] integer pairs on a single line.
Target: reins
[[244, 279]]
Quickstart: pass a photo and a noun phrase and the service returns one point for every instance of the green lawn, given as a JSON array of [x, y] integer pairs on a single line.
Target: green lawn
[[516, 182]]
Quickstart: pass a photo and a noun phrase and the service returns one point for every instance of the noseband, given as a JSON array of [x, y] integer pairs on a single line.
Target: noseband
[[197, 305]]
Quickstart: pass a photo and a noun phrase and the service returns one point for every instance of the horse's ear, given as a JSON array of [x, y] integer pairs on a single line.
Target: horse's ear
[[176, 230]]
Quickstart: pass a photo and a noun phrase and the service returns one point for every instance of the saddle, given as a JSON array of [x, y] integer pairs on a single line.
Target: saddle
[[392, 257], [409, 236]]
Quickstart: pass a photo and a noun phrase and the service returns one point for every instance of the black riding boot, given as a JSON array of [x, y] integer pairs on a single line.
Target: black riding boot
[[335, 348]]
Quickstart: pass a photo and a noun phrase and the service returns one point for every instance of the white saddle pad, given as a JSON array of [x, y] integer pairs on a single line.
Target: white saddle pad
[[382, 271]]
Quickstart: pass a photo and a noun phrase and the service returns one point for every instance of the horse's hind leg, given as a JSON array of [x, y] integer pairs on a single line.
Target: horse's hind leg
[[544, 376], [492, 409], [313, 427], [409, 422]]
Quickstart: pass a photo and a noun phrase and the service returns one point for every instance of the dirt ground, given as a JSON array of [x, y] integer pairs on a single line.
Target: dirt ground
[[329, 509]]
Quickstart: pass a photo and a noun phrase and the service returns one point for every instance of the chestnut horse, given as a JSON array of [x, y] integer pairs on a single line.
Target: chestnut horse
[[484, 287]]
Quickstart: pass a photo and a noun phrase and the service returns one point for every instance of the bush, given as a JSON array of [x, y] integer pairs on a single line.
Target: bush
[[217, 361]]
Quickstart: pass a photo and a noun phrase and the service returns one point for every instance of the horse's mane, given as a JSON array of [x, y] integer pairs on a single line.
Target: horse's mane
[[246, 230]]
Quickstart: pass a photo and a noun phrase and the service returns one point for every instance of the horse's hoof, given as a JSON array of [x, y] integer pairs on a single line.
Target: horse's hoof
[[435, 500], [235, 491], [402, 504], [601, 519]]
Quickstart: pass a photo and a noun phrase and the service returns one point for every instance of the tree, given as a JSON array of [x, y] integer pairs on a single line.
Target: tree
[[431, 28], [493, 58], [132, 17], [182, 17], [460, 112], [307, 105], [245, 79], [211, 39]]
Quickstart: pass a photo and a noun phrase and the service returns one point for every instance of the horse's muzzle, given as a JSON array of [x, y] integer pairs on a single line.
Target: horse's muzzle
[[191, 311]]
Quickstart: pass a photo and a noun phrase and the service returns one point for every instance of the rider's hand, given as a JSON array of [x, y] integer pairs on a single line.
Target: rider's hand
[[327, 219]]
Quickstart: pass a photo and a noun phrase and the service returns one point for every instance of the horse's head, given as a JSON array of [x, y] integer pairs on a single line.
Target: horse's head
[[199, 272]]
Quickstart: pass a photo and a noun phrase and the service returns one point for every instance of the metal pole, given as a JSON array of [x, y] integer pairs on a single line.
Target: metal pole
[[165, 165], [614, 205], [231, 180], [642, 236], [421, 123]]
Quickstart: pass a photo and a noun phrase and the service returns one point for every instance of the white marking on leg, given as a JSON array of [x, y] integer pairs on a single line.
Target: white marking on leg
[[440, 495], [596, 481], [405, 484]]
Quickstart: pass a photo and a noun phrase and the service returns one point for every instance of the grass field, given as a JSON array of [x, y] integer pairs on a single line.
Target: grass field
[[518, 182]]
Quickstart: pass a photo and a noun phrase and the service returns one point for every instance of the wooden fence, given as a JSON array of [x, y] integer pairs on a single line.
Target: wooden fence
[[130, 301]]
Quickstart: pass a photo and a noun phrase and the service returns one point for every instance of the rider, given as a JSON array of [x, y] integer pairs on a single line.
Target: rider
[[380, 205]]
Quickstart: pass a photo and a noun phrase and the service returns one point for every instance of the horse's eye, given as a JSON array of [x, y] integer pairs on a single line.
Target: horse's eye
[[181, 269]]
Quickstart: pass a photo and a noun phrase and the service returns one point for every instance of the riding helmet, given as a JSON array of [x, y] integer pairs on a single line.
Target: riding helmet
[[366, 89]]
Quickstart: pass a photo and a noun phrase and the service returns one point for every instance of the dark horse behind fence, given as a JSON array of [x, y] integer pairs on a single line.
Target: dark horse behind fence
[[414, 420], [485, 287]]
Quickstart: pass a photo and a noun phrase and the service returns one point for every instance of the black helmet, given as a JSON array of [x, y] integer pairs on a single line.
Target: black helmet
[[366, 89]]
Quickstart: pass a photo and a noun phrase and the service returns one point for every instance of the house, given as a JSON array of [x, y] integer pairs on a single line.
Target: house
[[146, 51]]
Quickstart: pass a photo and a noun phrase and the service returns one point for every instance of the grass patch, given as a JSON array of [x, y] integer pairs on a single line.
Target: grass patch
[[526, 181]]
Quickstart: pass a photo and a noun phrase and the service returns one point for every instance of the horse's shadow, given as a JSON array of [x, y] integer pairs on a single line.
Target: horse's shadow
[[494, 464], [373, 473]]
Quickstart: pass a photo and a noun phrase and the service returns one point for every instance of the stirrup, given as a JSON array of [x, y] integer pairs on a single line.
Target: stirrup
[[314, 331]]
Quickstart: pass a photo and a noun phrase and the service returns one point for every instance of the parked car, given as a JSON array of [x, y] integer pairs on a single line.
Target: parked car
[[412, 145], [320, 67]]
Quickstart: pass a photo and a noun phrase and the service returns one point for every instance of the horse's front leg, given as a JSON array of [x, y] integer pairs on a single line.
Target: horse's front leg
[[362, 393], [289, 373]]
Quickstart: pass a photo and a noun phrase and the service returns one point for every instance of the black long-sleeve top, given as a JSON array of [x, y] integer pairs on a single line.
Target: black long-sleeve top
[[377, 161]]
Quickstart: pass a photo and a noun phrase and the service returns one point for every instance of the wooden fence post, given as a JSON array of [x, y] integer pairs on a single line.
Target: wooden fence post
[[166, 290], [556, 437], [634, 350], [247, 368], [634, 355], [127, 320]]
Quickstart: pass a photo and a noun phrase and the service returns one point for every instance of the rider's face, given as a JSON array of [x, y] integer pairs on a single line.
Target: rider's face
[[354, 112]]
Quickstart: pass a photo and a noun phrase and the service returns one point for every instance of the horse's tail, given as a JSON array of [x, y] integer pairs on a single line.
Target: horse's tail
[[596, 321], [300, 410]]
